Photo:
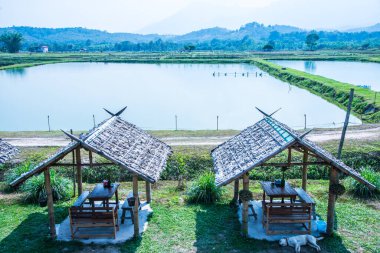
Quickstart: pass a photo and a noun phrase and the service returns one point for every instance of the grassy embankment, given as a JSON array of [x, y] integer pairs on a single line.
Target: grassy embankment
[[178, 227], [22, 60], [336, 92]]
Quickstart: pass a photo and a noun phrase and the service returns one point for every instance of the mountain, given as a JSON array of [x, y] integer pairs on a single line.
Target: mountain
[[254, 31], [203, 35], [370, 29]]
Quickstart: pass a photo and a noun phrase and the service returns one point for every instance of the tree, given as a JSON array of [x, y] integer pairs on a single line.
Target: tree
[[189, 47], [311, 40], [268, 47], [11, 41], [365, 46]]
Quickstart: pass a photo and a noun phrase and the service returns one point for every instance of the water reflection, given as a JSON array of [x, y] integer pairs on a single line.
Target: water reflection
[[310, 66], [17, 72]]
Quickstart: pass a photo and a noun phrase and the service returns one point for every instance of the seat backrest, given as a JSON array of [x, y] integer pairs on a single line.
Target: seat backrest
[[81, 199], [92, 212], [304, 196]]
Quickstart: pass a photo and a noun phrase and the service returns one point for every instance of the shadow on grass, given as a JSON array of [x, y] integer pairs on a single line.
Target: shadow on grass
[[218, 230], [32, 235]]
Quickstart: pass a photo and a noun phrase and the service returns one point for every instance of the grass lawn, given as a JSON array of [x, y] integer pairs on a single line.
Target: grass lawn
[[178, 227]]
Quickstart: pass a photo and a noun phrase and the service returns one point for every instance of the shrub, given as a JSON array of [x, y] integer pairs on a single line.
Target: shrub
[[187, 166], [35, 188], [204, 190], [14, 173], [361, 190], [245, 195]]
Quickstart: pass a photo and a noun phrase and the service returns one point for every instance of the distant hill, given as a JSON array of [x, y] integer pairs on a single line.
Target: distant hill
[[370, 29], [75, 35], [31, 35]]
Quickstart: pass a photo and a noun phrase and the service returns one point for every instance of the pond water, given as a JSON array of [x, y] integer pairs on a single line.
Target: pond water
[[357, 73], [71, 93]]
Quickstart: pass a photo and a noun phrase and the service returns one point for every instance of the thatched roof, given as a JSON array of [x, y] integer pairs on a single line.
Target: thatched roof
[[120, 142], [258, 143], [7, 151]]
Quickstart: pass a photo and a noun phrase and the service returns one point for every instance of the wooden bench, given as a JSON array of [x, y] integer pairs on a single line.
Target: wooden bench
[[126, 207], [104, 219], [81, 199], [250, 206], [305, 198], [286, 213]]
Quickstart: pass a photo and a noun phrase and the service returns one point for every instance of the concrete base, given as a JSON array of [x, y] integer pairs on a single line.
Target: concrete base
[[125, 232], [257, 231]]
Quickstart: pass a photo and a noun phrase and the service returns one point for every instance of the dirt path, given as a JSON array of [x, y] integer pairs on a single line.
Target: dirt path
[[319, 136]]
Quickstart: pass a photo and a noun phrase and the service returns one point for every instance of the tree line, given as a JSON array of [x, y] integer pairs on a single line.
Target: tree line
[[13, 42]]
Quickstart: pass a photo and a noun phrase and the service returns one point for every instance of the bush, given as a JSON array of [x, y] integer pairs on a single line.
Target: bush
[[204, 190], [35, 188], [361, 190], [194, 165], [14, 173]]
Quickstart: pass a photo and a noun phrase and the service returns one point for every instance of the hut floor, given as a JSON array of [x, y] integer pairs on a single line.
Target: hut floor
[[257, 231], [125, 232]]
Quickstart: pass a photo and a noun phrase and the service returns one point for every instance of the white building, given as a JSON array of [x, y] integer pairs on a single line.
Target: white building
[[45, 49]]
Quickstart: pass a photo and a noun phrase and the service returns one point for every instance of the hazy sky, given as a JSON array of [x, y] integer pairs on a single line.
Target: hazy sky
[[181, 16]]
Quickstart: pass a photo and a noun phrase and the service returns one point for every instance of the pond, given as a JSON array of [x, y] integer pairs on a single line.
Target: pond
[[71, 93], [357, 73]]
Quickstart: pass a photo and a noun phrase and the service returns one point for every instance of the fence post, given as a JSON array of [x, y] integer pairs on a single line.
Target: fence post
[[305, 121]]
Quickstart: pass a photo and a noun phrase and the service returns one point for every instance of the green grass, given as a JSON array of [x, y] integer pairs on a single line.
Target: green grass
[[178, 227], [21, 60], [333, 91]]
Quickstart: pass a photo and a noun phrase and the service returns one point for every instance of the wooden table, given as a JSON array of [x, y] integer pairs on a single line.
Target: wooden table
[[104, 194], [273, 191]]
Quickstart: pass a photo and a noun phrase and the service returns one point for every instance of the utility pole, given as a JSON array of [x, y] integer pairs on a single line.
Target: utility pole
[[176, 126], [93, 119], [345, 123], [73, 160], [217, 123]]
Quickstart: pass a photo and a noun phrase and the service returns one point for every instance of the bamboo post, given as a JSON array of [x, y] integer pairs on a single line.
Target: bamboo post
[[236, 192], [50, 204], [289, 156], [148, 192], [79, 170], [345, 124], [73, 159], [245, 206], [304, 169], [334, 179], [136, 231], [90, 158]]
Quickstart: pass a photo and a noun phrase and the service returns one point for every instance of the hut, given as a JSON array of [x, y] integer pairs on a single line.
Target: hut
[[121, 143], [7, 151], [255, 145]]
